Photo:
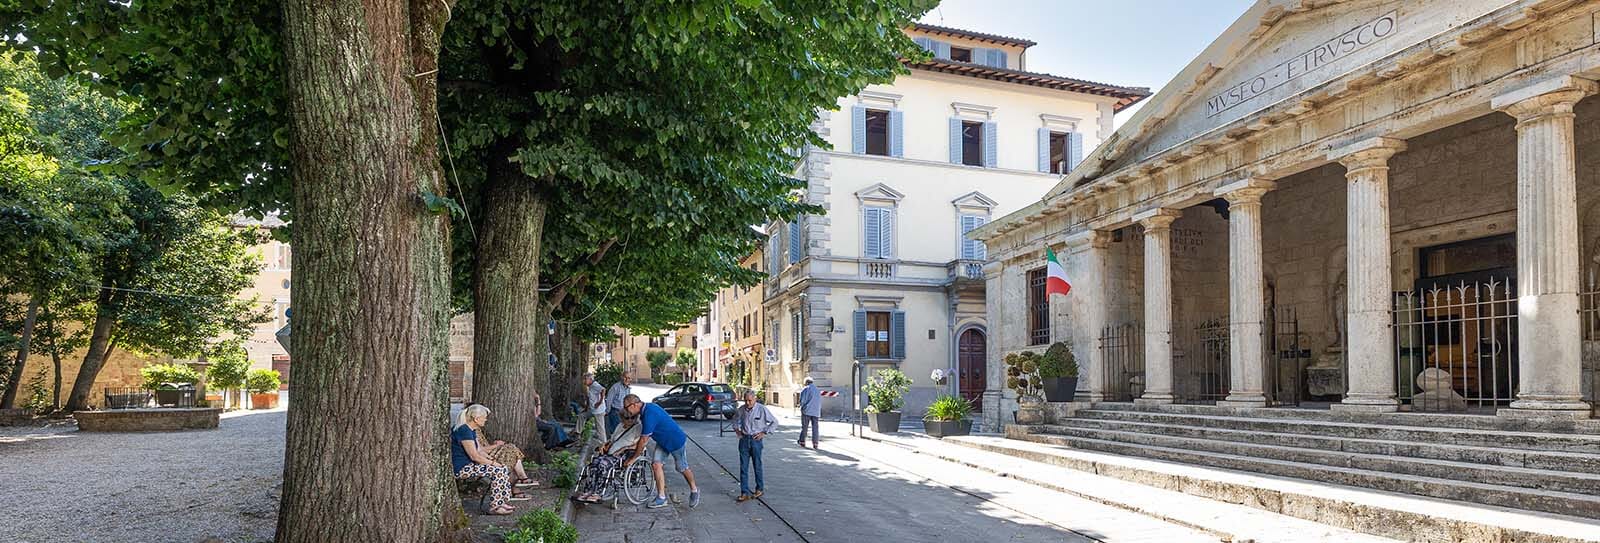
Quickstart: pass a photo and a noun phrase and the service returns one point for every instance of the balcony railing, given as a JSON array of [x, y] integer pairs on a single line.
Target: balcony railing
[[877, 270], [965, 268]]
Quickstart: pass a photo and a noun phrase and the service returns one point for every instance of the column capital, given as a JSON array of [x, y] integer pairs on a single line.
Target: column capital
[[1157, 219], [1088, 239], [1245, 191], [1554, 96], [1367, 153]]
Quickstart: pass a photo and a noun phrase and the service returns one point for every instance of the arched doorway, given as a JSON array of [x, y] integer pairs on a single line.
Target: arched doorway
[[972, 367]]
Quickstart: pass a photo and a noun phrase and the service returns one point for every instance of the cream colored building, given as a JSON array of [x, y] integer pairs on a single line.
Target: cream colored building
[[740, 332], [271, 288], [885, 277], [629, 350]]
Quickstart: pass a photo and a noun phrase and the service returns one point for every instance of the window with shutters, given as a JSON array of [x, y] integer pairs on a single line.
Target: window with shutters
[[972, 249], [960, 54], [972, 143], [1038, 308], [776, 337], [658, 342], [878, 232], [877, 122], [796, 347], [877, 334], [1058, 153]]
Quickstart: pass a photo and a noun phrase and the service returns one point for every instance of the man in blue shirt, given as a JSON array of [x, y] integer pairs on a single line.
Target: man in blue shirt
[[655, 424], [810, 412]]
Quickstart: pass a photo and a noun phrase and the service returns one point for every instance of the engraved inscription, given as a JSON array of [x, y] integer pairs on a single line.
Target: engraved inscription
[[1355, 39]]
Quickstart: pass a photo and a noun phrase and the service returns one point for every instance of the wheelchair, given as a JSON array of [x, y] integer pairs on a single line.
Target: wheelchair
[[634, 482]]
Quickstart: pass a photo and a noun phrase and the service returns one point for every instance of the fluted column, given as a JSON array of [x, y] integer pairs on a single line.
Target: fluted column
[[1246, 293], [1086, 268], [1370, 350], [1549, 353], [1157, 225]]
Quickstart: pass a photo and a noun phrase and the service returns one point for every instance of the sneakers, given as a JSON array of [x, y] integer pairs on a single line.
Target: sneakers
[[756, 495], [694, 499], [661, 501], [743, 498]]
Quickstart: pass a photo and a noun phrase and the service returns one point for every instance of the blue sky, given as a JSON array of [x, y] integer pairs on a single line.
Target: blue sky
[[1138, 43]]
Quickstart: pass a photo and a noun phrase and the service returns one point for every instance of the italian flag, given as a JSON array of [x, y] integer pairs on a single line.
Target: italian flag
[[1056, 280]]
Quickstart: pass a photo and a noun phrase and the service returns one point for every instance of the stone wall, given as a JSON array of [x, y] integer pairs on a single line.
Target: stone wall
[[121, 370]]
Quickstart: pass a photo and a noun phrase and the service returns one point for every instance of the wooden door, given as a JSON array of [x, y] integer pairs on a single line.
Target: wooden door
[[972, 373]]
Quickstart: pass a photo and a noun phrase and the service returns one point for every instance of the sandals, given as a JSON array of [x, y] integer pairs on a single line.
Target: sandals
[[526, 483], [519, 497], [502, 511]]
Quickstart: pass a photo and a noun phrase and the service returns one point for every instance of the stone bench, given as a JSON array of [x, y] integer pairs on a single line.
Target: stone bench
[[148, 420]]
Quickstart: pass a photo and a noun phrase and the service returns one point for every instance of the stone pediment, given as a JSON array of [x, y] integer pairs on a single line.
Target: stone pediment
[[879, 192], [1276, 51], [974, 199]]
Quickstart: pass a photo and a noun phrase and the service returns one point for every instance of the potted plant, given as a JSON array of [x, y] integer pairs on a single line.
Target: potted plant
[[886, 392], [1022, 377], [263, 385], [227, 374], [1058, 369], [947, 416], [171, 383]]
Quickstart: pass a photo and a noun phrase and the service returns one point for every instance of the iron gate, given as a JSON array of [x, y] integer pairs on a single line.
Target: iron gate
[[1200, 362], [1464, 337], [1122, 353], [1287, 353]]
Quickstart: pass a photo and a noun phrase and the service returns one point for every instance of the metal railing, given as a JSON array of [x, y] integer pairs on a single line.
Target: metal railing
[[127, 397], [1455, 346], [1200, 362], [1589, 319], [1122, 354], [1287, 354]]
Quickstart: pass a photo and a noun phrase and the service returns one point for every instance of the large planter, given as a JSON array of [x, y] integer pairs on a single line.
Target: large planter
[[127, 400], [941, 428], [264, 401], [1060, 389], [175, 398], [1030, 411], [884, 423]]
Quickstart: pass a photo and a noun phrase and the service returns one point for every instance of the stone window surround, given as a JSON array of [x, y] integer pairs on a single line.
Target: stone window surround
[[1059, 123], [974, 204], [973, 112], [880, 195], [871, 302], [878, 100]]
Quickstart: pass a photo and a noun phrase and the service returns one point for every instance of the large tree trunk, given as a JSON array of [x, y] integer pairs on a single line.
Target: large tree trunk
[[9, 398], [99, 350], [509, 341], [55, 359], [366, 454], [562, 387]]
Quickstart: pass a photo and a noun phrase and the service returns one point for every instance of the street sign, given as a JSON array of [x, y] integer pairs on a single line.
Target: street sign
[[772, 355], [552, 361], [551, 329]]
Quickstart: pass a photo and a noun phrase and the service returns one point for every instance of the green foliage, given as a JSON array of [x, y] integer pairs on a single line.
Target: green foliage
[[542, 526], [565, 464], [948, 408], [1058, 361], [658, 360], [1022, 374], [672, 379], [607, 374], [685, 358], [159, 375], [886, 390], [263, 381], [228, 368], [38, 394]]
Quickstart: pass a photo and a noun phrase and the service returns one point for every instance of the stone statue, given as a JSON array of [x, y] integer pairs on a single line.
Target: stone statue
[[1437, 394], [1337, 300]]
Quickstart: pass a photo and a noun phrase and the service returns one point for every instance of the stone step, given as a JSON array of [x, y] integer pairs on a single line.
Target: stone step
[[1493, 456], [1584, 483], [1376, 512], [1541, 441], [1404, 418], [1551, 501]]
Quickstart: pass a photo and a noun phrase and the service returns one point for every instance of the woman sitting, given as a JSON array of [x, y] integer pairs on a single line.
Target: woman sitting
[[507, 455], [469, 461], [607, 462]]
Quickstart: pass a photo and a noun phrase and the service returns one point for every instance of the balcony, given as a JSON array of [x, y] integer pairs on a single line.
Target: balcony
[[965, 269], [877, 270]]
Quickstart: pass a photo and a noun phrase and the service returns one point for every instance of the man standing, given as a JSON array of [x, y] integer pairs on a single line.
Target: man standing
[[655, 424], [614, 396], [595, 408], [810, 413], [753, 422]]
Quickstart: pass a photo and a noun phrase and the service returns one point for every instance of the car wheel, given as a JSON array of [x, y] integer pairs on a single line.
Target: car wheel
[[699, 412]]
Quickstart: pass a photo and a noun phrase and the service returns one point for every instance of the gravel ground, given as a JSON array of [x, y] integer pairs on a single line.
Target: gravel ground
[[59, 484]]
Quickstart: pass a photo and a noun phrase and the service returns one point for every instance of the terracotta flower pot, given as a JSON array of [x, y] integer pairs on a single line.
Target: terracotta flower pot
[[264, 401]]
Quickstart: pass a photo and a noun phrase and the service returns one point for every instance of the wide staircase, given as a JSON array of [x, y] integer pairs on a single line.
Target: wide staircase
[[1505, 472]]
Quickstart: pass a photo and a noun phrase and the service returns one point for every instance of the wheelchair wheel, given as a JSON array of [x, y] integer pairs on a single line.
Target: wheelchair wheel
[[639, 483]]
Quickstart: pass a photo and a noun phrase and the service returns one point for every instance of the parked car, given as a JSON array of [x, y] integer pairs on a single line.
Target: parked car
[[698, 400]]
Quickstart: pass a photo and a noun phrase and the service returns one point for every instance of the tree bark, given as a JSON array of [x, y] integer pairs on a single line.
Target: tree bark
[[55, 359], [509, 345], [9, 398], [366, 454], [99, 349]]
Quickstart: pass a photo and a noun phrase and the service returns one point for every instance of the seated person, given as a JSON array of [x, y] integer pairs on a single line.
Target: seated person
[[550, 432], [468, 461], [506, 454], [607, 461]]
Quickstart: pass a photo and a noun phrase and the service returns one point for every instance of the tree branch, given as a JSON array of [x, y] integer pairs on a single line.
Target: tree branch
[[578, 280]]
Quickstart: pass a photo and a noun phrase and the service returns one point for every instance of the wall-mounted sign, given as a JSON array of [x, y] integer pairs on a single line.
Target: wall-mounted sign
[[1355, 39]]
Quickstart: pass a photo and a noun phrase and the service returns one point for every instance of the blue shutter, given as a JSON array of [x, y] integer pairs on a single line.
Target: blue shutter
[[774, 261], [870, 230], [897, 131], [955, 140], [970, 248], [797, 345], [941, 49], [886, 232], [990, 145], [796, 244], [858, 130], [897, 335], [860, 336], [997, 58], [1044, 150], [1074, 150], [925, 43]]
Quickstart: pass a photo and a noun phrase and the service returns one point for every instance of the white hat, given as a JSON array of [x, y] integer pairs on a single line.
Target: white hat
[[808, 380]]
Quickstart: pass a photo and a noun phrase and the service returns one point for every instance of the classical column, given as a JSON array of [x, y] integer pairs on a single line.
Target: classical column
[[1370, 349], [1246, 292], [1157, 225], [1549, 353], [1086, 269]]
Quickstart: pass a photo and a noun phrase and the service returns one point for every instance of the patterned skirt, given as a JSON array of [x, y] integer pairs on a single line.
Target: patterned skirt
[[507, 454]]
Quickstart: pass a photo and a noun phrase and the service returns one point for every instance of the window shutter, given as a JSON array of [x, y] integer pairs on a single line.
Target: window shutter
[[796, 244], [886, 232], [955, 140], [897, 133], [1044, 150], [925, 43], [941, 49], [858, 130], [971, 249], [870, 230], [794, 326], [990, 146], [897, 334], [774, 261], [1074, 150], [998, 58], [860, 336]]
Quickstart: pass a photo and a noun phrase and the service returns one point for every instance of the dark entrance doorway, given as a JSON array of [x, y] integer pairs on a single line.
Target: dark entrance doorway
[[972, 371], [1460, 319]]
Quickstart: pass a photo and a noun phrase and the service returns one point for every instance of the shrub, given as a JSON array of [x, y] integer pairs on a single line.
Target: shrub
[[1022, 374], [565, 464], [886, 390], [542, 526], [262, 381], [607, 374], [158, 375], [1058, 361], [948, 408], [671, 379], [38, 394], [228, 369], [685, 359], [658, 361]]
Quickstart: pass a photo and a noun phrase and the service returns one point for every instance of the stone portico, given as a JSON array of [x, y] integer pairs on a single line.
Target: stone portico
[[1332, 198]]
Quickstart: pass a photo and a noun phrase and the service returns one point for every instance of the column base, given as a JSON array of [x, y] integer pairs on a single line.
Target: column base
[[1086, 396], [1154, 399], [1348, 407], [1558, 408], [1244, 399]]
